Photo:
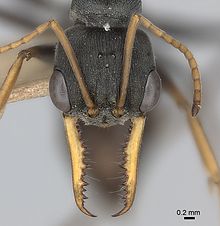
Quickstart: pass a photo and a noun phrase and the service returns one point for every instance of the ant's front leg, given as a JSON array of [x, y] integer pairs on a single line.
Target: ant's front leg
[[31, 90], [205, 149]]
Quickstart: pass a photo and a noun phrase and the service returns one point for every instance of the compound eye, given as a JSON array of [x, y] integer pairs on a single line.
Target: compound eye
[[152, 92], [58, 92]]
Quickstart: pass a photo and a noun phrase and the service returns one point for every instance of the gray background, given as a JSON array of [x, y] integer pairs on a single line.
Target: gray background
[[35, 172]]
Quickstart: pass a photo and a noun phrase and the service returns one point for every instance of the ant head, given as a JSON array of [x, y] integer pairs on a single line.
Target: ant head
[[104, 13]]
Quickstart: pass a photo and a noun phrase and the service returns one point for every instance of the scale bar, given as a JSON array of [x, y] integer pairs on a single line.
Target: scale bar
[[189, 218]]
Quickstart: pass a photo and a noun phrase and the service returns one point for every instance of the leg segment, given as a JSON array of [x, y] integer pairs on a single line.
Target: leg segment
[[31, 90], [9, 83], [129, 43], [57, 29], [201, 139], [28, 91]]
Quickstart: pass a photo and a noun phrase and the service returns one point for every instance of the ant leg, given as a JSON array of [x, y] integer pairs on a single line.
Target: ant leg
[[36, 89], [189, 56], [31, 90], [28, 91], [201, 139], [1, 113], [60, 34]]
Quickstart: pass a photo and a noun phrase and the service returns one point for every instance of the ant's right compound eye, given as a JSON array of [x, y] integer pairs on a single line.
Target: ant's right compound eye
[[152, 92], [58, 92]]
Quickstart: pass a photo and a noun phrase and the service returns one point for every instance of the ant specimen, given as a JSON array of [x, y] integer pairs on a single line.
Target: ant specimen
[[105, 75]]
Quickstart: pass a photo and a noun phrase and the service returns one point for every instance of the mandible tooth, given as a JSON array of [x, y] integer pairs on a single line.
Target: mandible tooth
[[78, 165], [131, 164]]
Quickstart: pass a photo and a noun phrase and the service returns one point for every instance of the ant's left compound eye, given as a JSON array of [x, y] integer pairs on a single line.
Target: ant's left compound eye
[[58, 92], [151, 93]]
